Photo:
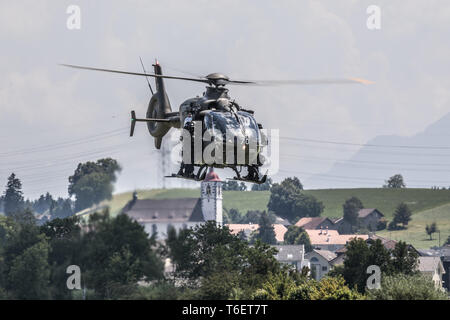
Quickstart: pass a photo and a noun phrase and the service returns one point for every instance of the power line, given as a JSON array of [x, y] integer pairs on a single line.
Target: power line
[[65, 144], [373, 167], [364, 151], [367, 144], [356, 178], [373, 162]]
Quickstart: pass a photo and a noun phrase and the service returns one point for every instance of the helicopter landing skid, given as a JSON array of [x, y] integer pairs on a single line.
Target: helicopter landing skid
[[263, 179], [193, 178], [200, 176], [254, 178]]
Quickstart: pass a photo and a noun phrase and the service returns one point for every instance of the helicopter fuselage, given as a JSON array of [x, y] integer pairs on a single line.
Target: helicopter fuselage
[[229, 135]]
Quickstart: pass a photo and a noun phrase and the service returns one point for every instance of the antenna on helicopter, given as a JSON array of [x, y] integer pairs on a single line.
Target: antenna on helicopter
[[148, 82]]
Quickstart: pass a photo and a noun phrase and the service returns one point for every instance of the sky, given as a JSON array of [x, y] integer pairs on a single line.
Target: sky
[[55, 117]]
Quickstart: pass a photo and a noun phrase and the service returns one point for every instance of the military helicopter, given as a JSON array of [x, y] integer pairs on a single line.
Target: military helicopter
[[226, 134]]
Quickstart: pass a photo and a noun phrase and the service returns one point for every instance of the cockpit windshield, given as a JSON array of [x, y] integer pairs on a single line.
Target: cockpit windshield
[[241, 125]]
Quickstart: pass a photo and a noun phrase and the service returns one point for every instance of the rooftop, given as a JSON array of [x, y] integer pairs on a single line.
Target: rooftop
[[327, 237], [279, 229], [310, 222], [430, 264], [166, 210], [367, 211], [290, 252], [326, 254]]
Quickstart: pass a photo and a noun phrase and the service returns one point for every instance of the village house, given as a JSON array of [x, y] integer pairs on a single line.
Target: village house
[[368, 219], [331, 239], [250, 228], [293, 255], [433, 268], [158, 215], [316, 223], [320, 262], [444, 254]]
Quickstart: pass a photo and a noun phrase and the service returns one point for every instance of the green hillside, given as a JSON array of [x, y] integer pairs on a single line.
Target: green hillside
[[427, 205], [385, 200], [416, 235]]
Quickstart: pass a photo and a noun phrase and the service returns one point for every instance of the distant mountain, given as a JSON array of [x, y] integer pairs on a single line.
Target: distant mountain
[[422, 159]]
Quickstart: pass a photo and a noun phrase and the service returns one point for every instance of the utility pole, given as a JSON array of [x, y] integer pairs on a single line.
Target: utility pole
[[439, 231], [163, 164]]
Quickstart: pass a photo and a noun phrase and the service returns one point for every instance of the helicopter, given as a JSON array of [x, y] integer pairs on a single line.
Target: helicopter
[[222, 133]]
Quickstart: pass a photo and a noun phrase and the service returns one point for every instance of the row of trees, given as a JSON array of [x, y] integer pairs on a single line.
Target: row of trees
[[289, 201], [115, 256], [232, 185], [91, 183]]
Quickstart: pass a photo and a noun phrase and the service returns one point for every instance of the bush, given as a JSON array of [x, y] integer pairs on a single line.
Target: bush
[[330, 288], [382, 224], [392, 226], [404, 287], [260, 294], [161, 290]]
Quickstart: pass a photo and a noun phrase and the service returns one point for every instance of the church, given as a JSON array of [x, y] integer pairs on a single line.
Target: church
[[158, 215]]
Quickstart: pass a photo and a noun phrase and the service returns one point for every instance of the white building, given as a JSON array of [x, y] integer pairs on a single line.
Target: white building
[[320, 262], [157, 215], [433, 268], [292, 255]]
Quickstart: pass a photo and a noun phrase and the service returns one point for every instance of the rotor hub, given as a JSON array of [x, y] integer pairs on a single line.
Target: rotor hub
[[217, 79]]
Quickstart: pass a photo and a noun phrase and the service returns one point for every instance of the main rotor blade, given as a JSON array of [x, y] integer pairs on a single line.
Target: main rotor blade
[[136, 73], [301, 82]]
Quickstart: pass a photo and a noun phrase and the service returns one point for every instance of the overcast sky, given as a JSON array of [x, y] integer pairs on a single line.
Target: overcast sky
[[53, 117]]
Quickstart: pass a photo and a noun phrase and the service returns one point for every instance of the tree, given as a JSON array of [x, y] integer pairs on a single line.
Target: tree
[[203, 253], [355, 264], [406, 287], [231, 216], [297, 235], [61, 208], [402, 214], [25, 265], [331, 288], [29, 273], [396, 182], [13, 196], [254, 216], [64, 238], [230, 185], [404, 259], [351, 209], [282, 286], [447, 242], [116, 254], [92, 182], [43, 203], [24, 217], [359, 256], [266, 232], [288, 201], [430, 229], [263, 186]]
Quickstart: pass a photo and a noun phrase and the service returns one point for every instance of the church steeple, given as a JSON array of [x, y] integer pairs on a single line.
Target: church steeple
[[211, 196]]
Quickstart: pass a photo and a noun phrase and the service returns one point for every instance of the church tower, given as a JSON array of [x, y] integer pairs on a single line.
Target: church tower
[[211, 197]]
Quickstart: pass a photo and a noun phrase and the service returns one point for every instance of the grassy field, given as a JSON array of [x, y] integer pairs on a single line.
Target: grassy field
[[427, 206], [416, 235], [385, 200]]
